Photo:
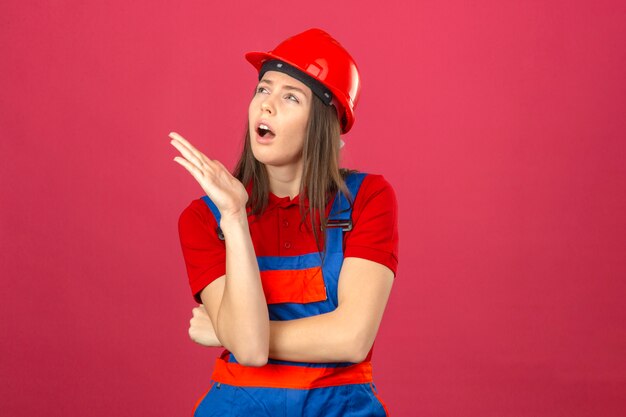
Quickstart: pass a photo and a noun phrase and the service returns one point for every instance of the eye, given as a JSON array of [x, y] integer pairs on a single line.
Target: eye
[[293, 98], [261, 89]]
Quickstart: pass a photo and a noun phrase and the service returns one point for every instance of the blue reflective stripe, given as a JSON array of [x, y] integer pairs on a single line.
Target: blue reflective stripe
[[291, 311], [274, 263]]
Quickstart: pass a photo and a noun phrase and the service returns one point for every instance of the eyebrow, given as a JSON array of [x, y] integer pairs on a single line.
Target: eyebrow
[[286, 87]]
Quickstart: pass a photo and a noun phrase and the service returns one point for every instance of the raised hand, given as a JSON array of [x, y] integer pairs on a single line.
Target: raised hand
[[226, 191]]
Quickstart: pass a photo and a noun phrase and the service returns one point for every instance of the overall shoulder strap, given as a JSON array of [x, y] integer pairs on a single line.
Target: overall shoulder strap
[[216, 214], [341, 211]]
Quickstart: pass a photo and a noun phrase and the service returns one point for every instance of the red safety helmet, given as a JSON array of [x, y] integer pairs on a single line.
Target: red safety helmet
[[318, 55]]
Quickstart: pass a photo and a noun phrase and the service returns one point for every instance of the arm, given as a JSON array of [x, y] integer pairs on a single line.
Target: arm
[[345, 334], [235, 302], [365, 281]]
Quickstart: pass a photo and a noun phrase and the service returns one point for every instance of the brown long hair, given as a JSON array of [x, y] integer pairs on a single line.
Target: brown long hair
[[321, 176]]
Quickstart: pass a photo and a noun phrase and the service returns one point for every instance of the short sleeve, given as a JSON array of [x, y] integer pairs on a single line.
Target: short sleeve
[[203, 251], [375, 224]]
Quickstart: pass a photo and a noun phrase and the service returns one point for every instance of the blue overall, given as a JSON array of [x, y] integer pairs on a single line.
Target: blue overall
[[347, 399]]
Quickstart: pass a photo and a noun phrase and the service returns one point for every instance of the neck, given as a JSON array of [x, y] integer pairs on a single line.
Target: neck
[[285, 180]]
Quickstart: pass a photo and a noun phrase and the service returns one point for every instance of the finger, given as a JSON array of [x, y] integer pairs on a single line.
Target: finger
[[185, 143], [202, 157], [175, 136], [181, 139], [199, 312], [206, 182], [198, 158], [193, 170], [190, 156], [198, 173]]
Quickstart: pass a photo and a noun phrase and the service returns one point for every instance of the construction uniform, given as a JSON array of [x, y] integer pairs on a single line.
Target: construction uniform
[[296, 284]]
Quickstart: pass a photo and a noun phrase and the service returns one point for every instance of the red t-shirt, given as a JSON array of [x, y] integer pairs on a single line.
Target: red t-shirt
[[278, 232]]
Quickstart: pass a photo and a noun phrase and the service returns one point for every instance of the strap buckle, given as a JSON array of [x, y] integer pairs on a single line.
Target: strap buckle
[[346, 225]]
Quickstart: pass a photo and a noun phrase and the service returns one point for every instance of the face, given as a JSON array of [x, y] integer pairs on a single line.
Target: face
[[278, 116]]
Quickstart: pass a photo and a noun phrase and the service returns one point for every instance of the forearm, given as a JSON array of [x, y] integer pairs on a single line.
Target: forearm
[[322, 338], [243, 319]]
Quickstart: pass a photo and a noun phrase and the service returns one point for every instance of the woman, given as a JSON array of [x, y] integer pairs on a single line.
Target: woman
[[294, 269]]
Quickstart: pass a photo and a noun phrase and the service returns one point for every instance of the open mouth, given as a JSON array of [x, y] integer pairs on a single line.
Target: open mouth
[[264, 131]]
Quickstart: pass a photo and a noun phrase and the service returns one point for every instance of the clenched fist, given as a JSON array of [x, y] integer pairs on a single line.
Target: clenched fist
[[201, 329]]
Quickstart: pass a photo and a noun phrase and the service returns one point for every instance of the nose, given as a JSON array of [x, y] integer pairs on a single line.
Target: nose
[[268, 104]]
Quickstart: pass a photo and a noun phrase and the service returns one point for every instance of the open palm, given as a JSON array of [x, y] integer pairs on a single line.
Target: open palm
[[226, 191]]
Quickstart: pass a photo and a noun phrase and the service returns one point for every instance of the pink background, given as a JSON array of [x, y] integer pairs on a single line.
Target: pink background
[[500, 124]]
